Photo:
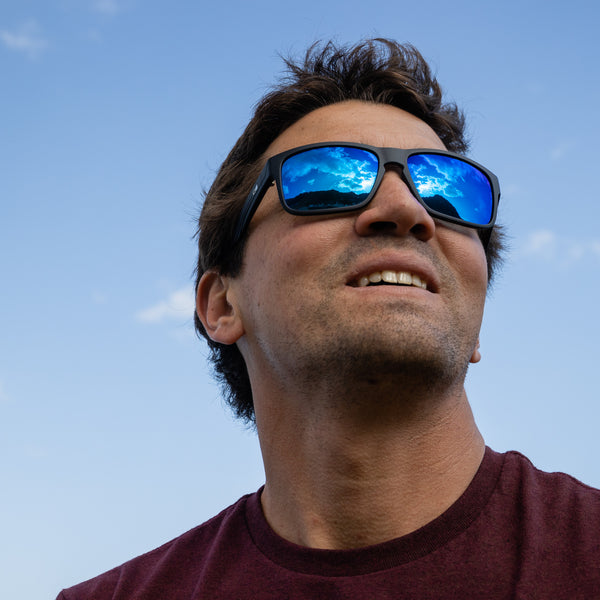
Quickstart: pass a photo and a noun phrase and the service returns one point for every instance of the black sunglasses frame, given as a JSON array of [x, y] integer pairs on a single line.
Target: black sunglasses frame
[[399, 156]]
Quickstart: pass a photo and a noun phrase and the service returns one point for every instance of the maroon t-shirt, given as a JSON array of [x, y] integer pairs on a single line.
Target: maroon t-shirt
[[516, 532]]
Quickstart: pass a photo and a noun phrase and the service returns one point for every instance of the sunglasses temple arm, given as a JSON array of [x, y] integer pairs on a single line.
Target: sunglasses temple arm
[[484, 236], [252, 201]]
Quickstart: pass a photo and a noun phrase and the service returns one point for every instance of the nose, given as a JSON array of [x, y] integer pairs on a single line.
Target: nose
[[394, 210]]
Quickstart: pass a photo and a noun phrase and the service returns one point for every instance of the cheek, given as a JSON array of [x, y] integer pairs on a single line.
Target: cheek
[[273, 260], [285, 271], [474, 273], [294, 246], [466, 255]]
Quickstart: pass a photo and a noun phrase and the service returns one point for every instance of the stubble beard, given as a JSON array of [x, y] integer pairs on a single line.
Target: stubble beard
[[394, 348], [405, 358]]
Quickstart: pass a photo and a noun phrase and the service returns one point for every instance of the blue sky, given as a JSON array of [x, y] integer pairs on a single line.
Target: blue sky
[[115, 115]]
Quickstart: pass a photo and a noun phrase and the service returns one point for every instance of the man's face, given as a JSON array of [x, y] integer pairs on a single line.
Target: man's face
[[306, 313]]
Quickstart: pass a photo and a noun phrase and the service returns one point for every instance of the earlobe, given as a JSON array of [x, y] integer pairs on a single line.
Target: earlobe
[[476, 356], [214, 308]]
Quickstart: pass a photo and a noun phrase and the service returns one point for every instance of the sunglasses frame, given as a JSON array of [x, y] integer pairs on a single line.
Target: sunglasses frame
[[386, 156]]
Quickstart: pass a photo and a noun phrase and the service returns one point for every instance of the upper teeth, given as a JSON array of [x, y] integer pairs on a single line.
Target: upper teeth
[[401, 277]]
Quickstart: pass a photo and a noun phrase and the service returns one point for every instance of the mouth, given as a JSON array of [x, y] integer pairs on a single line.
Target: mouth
[[387, 277]]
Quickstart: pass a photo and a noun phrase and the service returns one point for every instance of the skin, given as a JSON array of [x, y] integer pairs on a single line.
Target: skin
[[364, 424]]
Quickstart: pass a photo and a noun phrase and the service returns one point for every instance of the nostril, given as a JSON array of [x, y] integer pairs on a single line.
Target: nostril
[[394, 211], [383, 226], [419, 230]]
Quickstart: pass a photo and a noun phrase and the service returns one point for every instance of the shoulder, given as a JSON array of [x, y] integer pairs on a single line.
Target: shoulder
[[556, 511], [558, 490], [539, 530], [181, 558]]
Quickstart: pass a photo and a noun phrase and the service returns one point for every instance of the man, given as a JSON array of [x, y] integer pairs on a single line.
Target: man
[[345, 249]]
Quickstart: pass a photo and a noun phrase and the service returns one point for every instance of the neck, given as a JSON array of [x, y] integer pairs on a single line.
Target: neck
[[365, 470]]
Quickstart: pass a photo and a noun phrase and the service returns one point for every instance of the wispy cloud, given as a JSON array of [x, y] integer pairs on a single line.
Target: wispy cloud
[[178, 306], [548, 245], [561, 149], [26, 39], [99, 297], [107, 7], [541, 243]]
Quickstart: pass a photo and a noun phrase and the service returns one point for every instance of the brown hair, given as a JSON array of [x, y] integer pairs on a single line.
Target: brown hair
[[380, 71]]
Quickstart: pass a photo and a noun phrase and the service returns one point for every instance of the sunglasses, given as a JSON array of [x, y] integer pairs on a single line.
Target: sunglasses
[[335, 177]]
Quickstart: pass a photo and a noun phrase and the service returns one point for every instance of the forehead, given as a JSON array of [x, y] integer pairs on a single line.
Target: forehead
[[361, 122]]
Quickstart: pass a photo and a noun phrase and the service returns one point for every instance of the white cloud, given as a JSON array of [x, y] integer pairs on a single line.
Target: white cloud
[[576, 251], [179, 306], [107, 7], [511, 189], [26, 39], [560, 150], [99, 297], [541, 242], [549, 245]]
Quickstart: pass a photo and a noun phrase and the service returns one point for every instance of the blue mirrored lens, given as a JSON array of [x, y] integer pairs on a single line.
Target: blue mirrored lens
[[326, 178], [452, 187]]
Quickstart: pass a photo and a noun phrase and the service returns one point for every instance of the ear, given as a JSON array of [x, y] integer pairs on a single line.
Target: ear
[[476, 356], [218, 314]]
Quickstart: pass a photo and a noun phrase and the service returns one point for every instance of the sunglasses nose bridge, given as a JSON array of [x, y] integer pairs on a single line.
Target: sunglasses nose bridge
[[393, 159], [395, 166], [394, 208]]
